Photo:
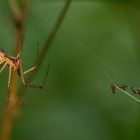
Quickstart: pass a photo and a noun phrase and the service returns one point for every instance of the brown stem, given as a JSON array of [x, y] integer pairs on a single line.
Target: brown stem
[[10, 109], [12, 106]]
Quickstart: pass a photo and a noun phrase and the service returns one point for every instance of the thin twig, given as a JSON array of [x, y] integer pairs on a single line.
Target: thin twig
[[53, 33]]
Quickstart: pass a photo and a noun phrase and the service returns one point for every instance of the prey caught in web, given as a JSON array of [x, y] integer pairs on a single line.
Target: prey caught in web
[[124, 87]]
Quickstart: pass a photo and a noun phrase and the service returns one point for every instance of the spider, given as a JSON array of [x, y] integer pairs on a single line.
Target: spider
[[15, 63]]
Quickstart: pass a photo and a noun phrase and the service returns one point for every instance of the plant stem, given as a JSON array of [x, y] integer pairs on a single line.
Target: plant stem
[[13, 100]]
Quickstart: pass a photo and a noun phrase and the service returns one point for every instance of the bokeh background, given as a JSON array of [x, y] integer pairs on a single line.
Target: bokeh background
[[98, 42]]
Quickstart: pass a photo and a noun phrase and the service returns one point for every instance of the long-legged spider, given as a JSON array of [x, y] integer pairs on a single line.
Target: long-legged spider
[[15, 63]]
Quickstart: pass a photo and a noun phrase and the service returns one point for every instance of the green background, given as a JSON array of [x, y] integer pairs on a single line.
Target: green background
[[99, 41]]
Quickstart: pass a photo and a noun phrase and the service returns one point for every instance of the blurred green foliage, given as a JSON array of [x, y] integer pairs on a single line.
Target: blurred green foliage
[[97, 39]]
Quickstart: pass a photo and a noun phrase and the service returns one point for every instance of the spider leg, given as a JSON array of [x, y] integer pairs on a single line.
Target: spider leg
[[9, 79], [2, 68], [45, 79], [22, 76], [44, 82], [18, 55], [29, 70], [1, 62]]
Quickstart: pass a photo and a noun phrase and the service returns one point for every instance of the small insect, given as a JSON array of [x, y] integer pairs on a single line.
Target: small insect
[[136, 91], [124, 87], [15, 63]]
